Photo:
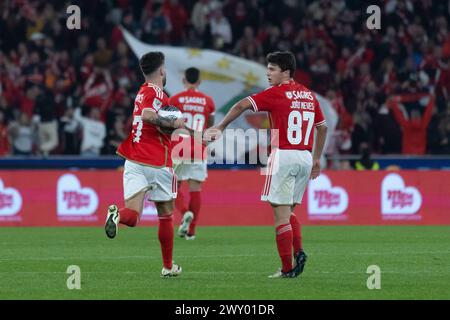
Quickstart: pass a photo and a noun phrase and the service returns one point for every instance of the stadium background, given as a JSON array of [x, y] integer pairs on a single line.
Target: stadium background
[[55, 83]]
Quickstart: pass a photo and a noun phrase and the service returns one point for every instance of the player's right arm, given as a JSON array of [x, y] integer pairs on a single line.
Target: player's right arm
[[151, 117]]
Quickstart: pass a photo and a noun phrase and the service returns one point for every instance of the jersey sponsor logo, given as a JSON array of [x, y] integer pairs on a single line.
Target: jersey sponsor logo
[[299, 95], [324, 199], [73, 199], [397, 199], [157, 104], [10, 201], [197, 100]]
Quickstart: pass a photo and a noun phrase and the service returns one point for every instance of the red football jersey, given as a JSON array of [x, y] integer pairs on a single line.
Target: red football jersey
[[196, 107], [145, 144], [293, 111]]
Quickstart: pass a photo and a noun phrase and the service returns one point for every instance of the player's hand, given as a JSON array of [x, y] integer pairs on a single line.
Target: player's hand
[[212, 134], [179, 123], [315, 172]]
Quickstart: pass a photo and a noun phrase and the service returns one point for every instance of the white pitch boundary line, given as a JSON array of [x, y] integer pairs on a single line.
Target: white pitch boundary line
[[217, 272], [318, 254]]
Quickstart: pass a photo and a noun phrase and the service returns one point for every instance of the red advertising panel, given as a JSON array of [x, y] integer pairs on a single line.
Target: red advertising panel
[[231, 197]]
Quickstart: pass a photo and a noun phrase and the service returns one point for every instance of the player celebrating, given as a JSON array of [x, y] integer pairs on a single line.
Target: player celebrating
[[148, 164], [293, 111], [198, 111]]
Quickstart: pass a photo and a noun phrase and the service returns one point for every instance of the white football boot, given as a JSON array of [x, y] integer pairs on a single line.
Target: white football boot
[[184, 226], [175, 271]]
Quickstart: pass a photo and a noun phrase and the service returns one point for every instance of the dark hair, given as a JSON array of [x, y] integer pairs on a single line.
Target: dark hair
[[284, 59], [151, 61], [192, 75]]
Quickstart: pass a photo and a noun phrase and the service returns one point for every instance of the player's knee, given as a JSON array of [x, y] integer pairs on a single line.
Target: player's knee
[[195, 185]]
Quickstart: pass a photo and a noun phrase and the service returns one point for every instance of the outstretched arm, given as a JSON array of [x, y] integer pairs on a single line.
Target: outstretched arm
[[234, 113], [214, 132]]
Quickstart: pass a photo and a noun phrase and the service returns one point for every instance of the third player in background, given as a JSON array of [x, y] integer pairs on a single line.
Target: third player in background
[[198, 112]]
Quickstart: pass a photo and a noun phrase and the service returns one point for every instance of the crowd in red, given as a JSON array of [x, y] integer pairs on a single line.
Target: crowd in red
[[390, 87]]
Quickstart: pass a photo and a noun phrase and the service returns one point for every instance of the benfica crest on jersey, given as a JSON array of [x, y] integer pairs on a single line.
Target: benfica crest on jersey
[[289, 94], [157, 104]]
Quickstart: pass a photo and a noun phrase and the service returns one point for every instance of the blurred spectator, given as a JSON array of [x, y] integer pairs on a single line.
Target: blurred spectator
[[248, 47], [414, 127], [200, 14], [178, 18], [98, 89], [116, 135], [94, 132], [22, 135], [4, 138], [366, 162], [27, 102], [70, 128], [47, 125], [335, 53], [441, 132], [102, 57], [156, 27], [220, 30]]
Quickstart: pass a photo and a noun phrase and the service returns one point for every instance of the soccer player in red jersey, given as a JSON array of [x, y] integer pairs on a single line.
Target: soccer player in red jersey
[[198, 111], [293, 112], [148, 162]]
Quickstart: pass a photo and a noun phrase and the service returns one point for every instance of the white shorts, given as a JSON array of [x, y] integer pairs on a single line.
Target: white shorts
[[161, 183], [287, 176], [191, 171]]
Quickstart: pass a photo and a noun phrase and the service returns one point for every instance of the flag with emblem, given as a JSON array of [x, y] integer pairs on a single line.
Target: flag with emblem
[[227, 79]]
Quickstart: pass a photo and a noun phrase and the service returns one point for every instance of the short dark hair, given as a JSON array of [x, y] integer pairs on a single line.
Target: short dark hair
[[284, 59], [192, 75], [151, 61]]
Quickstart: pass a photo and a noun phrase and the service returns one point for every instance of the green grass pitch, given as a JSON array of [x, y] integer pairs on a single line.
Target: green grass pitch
[[225, 263]]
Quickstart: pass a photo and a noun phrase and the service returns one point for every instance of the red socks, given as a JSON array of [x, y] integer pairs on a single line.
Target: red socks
[[194, 206], [179, 203], [296, 233], [284, 244], [165, 236], [128, 217]]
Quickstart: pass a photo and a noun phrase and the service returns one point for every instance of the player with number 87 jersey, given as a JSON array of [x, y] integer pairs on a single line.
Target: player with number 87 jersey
[[293, 113]]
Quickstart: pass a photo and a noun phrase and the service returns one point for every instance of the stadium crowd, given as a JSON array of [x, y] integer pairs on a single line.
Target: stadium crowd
[[71, 92]]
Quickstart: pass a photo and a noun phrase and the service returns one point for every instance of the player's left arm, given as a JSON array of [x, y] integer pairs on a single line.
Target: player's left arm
[[321, 129], [318, 148]]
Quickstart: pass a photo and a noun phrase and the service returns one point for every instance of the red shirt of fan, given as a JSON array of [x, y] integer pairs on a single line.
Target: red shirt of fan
[[293, 113], [145, 144], [196, 107]]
